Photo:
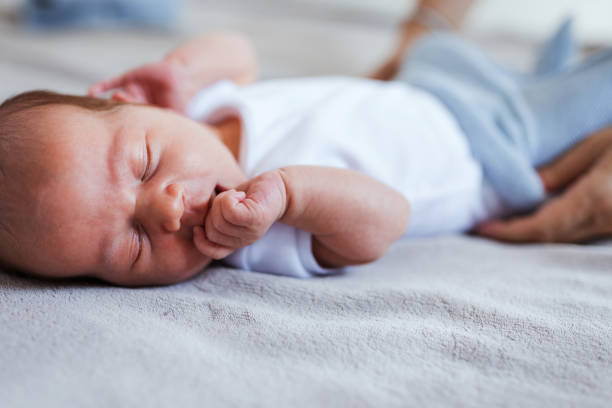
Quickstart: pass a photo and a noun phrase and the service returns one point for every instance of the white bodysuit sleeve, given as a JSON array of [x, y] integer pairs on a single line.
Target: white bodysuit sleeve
[[284, 250]]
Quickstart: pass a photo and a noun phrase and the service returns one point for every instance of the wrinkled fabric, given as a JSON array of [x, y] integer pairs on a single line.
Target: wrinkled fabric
[[439, 322]]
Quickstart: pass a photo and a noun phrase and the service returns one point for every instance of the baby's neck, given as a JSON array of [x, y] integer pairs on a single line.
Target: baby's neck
[[229, 131]]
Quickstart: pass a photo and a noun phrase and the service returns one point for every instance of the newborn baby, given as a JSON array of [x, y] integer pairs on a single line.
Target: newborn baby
[[139, 195], [298, 177]]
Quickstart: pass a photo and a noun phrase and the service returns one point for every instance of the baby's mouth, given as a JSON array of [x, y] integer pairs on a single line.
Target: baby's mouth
[[216, 191], [202, 212], [219, 189]]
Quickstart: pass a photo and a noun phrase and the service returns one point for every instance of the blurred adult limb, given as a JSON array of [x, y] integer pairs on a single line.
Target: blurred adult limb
[[428, 16], [583, 209]]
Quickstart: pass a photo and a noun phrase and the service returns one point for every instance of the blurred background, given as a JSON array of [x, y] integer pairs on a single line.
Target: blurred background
[[53, 44]]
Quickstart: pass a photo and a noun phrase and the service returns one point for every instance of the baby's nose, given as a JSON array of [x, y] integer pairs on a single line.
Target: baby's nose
[[172, 207]]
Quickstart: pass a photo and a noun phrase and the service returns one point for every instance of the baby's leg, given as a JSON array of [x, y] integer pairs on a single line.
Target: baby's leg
[[568, 106], [513, 122]]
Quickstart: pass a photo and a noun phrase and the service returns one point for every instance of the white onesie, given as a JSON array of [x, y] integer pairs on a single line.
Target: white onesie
[[393, 132]]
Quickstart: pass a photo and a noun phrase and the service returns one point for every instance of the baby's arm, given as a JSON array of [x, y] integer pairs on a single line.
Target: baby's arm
[[173, 82], [352, 217], [217, 56]]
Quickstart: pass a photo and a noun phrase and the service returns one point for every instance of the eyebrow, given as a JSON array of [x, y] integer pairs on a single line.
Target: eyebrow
[[114, 154]]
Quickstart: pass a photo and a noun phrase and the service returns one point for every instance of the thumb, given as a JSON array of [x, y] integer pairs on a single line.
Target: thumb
[[560, 220], [123, 96], [523, 229], [129, 96], [103, 86], [137, 93], [235, 209], [264, 190]]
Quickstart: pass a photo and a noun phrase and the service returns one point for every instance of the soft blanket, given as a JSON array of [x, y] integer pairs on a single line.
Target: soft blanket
[[453, 321]]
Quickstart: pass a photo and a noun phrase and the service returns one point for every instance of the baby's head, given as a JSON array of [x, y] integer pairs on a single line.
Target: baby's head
[[91, 187]]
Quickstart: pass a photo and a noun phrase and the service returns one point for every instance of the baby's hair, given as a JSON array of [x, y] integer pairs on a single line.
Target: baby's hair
[[16, 140], [33, 99], [12, 120]]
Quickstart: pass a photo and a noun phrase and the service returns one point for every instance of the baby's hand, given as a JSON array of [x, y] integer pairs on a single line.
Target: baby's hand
[[239, 218], [162, 84]]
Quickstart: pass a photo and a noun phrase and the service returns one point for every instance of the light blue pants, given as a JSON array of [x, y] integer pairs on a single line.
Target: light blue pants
[[515, 122], [86, 13]]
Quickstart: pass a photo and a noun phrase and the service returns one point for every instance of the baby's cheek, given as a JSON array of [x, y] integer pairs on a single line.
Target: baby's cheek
[[120, 279], [190, 272], [184, 263]]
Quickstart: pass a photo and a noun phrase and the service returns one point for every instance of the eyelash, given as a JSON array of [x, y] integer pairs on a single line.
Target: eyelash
[[148, 165], [140, 243], [143, 179]]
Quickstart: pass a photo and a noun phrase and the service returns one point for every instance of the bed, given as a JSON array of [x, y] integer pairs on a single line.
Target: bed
[[443, 321]]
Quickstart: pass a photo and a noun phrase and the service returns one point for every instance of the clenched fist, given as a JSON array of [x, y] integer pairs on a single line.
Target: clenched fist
[[238, 218]]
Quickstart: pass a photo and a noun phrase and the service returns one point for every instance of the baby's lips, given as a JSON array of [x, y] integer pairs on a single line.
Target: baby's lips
[[220, 188]]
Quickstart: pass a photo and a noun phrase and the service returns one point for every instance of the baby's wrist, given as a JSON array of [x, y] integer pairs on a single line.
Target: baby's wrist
[[186, 86], [283, 182]]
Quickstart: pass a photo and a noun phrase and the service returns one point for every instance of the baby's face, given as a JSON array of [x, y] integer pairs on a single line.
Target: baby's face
[[127, 187]]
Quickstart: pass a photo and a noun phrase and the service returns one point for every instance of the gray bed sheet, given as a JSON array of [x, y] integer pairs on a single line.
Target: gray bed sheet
[[446, 321], [450, 321]]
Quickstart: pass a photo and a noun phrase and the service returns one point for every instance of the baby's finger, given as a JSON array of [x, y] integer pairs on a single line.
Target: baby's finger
[[137, 93], [215, 218], [208, 248], [123, 96], [104, 86], [221, 231], [219, 238], [243, 212], [231, 206]]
